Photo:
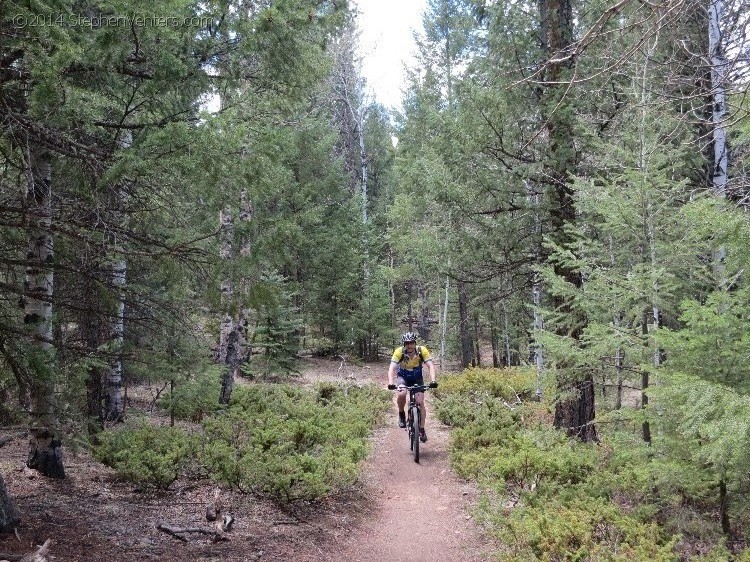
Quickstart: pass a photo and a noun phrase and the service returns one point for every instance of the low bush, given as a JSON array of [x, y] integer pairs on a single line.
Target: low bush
[[511, 385], [583, 528], [147, 455], [291, 444], [543, 461]]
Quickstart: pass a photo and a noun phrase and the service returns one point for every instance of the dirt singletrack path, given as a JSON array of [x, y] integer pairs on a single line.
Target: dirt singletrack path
[[419, 512]]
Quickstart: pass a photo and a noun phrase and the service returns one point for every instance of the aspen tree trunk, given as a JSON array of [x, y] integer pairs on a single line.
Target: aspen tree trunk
[[113, 407], [503, 359], [444, 330], [477, 360], [648, 222], [362, 151], [243, 318], [228, 334], [536, 328], [464, 327], [409, 307], [619, 357], [424, 313], [45, 447], [495, 342], [391, 288], [719, 69], [506, 334], [537, 324], [619, 354]]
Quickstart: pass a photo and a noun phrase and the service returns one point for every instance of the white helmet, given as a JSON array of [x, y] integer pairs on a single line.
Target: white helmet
[[409, 336]]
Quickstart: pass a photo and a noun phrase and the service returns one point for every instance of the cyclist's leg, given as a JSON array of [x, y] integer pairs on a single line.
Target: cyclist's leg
[[419, 396], [400, 394]]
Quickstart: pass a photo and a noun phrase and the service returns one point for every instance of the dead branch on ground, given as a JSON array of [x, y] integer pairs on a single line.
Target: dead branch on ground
[[39, 556], [222, 523]]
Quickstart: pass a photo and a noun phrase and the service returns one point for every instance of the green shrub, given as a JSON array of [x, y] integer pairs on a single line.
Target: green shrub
[[543, 460], [478, 383], [144, 454], [289, 443], [583, 528]]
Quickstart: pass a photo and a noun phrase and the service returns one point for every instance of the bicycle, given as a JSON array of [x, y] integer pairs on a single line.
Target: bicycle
[[413, 417]]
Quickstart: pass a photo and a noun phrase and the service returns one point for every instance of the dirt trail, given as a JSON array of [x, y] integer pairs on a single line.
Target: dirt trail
[[419, 512]]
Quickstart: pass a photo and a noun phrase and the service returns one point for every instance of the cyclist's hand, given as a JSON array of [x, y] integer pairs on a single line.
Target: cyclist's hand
[[433, 384], [391, 387]]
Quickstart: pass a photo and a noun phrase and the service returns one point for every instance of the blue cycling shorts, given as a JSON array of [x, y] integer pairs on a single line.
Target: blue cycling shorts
[[409, 378]]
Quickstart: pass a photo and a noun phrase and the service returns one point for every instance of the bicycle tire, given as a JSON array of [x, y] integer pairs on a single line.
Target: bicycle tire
[[410, 430], [415, 432]]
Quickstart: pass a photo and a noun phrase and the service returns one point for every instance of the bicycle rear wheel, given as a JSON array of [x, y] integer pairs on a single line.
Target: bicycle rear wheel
[[415, 433]]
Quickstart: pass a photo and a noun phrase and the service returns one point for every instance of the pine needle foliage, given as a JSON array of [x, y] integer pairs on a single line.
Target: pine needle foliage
[[549, 497]]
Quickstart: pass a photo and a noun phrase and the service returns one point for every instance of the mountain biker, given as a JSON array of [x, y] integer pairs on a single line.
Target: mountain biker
[[406, 370]]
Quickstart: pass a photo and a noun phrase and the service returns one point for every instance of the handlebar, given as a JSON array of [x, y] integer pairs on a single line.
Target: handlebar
[[414, 387]]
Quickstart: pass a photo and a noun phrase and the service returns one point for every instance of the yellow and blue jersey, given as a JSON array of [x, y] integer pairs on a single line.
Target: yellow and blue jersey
[[410, 367]]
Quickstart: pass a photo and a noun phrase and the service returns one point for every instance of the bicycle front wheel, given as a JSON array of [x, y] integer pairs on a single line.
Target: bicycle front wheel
[[415, 432], [410, 430]]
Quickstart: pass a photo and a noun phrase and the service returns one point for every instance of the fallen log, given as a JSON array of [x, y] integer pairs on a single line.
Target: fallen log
[[177, 532]]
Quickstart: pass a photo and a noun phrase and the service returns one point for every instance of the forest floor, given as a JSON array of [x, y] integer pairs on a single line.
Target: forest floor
[[399, 509]]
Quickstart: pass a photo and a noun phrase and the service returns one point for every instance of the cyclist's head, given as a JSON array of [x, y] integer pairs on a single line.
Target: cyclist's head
[[408, 337]]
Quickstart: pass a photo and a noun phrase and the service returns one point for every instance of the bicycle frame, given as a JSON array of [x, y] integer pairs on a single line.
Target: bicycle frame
[[413, 417]]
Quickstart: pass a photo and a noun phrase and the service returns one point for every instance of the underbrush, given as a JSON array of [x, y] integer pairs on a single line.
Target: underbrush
[[278, 441], [547, 497]]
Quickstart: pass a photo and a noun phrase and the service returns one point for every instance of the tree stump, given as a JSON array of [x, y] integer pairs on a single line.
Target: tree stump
[[45, 453]]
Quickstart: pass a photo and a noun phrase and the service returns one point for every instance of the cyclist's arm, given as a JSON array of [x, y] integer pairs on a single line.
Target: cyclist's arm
[[392, 373], [431, 363]]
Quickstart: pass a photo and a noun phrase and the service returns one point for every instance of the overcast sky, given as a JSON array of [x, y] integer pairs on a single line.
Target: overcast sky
[[386, 43]]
